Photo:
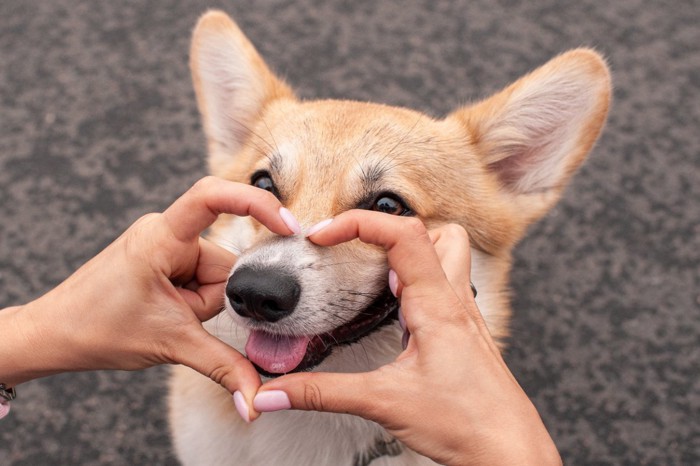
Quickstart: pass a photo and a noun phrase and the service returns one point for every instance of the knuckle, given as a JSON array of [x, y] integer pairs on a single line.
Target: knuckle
[[312, 397], [146, 218], [415, 225], [203, 184], [455, 231], [382, 388], [137, 239], [265, 196], [219, 374]]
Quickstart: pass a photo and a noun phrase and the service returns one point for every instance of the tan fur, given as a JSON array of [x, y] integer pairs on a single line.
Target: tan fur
[[493, 167]]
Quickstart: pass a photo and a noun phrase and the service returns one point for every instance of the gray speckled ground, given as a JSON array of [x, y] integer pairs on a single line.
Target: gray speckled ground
[[98, 125]]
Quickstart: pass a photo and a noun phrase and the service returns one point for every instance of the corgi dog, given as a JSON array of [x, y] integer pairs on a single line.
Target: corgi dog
[[493, 167]]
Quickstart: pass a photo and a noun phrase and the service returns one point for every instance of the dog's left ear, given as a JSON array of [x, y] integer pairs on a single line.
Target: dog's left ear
[[535, 133], [233, 86]]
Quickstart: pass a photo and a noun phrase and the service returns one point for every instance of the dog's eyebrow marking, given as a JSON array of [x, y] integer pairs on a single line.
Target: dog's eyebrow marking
[[371, 175], [276, 160]]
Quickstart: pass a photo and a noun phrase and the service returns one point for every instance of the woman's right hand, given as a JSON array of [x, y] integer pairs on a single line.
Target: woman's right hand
[[449, 395]]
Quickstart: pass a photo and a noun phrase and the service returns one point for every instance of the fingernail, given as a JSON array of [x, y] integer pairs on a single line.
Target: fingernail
[[404, 339], [393, 282], [241, 406], [290, 221], [272, 400], [402, 321], [4, 409], [318, 227]]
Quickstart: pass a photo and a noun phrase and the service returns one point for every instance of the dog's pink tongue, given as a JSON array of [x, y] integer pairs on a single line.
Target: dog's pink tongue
[[277, 354]]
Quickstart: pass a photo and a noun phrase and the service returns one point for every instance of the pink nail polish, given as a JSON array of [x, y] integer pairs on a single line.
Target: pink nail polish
[[241, 406], [4, 409], [273, 400], [393, 282], [318, 227], [402, 320], [290, 221]]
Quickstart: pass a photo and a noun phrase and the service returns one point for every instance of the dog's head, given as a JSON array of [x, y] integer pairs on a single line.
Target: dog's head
[[493, 167]]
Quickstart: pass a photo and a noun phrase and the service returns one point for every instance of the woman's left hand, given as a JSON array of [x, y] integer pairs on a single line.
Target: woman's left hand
[[142, 300]]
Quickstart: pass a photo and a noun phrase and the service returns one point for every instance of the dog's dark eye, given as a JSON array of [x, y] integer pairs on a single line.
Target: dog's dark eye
[[263, 180], [390, 205]]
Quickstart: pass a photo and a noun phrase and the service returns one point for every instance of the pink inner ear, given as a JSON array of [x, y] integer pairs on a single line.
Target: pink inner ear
[[522, 171], [509, 171]]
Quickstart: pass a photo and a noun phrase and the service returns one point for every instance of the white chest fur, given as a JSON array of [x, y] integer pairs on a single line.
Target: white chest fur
[[208, 431]]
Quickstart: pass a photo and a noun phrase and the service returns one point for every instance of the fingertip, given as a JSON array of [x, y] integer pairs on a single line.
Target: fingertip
[[241, 406], [271, 400], [318, 391], [394, 283], [402, 320], [294, 386], [246, 387], [318, 227], [290, 221]]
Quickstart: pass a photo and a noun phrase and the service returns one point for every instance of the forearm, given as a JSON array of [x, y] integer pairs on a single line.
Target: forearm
[[27, 349]]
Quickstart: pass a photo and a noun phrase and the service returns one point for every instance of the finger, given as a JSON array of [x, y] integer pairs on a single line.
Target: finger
[[205, 293], [452, 246], [221, 363], [214, 263], [321, 391], [411, 254], [410, 251], [206, 301], [197, 209]]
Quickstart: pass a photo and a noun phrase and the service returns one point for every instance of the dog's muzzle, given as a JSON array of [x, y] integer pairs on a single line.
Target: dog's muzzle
[[263, 293], [268, 294]]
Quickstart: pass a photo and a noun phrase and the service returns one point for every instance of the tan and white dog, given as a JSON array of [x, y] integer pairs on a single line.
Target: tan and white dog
[[493, 167]]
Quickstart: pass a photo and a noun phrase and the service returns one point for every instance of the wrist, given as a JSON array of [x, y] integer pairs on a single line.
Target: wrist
[[16, 347], [33, 344], [515, 442], [511, 433], [13, 346]]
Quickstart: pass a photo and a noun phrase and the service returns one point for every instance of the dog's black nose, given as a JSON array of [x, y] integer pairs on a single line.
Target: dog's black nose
[[267, 294]]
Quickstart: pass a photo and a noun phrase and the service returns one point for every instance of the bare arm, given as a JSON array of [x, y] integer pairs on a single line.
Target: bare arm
[[142, 300]]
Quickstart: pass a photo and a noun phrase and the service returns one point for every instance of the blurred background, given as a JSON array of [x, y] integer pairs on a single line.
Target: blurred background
[[98, 125]]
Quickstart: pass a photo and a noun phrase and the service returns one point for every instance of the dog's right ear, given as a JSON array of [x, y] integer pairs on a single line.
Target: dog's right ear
[[233, 85], [535, 133]]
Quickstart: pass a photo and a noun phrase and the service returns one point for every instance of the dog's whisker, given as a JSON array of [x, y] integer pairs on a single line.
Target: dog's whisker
[[229, 246], [277, 149], [334, 264], [361, 293], [249, 130], [336, 307], [368, 364], [218, 266]]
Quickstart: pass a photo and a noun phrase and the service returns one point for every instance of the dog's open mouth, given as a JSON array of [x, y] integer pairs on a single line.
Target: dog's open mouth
[[274, 355]]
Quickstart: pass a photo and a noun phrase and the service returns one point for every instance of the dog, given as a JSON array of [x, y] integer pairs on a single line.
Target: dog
[[493, 167]]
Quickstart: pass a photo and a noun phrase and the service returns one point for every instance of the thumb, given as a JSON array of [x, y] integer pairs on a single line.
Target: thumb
[[224, 365], [319, 391]]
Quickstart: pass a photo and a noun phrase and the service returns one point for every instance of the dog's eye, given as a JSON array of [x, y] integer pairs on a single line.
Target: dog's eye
[[263, 180], [390, 205]]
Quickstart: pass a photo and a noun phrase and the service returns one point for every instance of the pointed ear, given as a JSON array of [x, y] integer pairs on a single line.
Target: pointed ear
[[535, 133], [233, 85]]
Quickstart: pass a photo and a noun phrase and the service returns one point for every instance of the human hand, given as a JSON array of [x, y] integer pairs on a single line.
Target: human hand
[[449, 395], [142, 300]]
